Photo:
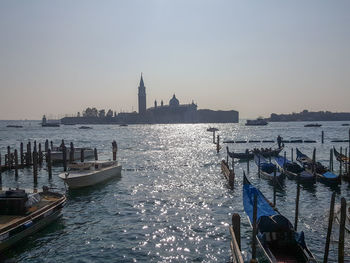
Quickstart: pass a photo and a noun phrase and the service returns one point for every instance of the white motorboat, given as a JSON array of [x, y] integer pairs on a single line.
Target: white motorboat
[[57, 154], [90, 173]]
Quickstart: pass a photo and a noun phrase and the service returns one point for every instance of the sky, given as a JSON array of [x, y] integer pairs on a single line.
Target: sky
[[256, 57]]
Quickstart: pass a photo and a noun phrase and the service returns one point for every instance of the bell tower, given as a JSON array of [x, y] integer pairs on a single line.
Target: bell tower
[[142, 97]]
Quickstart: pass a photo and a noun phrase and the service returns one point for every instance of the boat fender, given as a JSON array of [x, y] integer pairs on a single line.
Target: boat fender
[[66, 174]]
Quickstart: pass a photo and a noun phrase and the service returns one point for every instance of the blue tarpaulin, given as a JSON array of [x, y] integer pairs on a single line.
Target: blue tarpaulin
[[264, 209]]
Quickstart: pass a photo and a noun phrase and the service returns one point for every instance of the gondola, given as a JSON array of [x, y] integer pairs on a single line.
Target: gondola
[[249, 154], [275, 234], [267, 170], [322, 172], [341, 157], [293, 170]]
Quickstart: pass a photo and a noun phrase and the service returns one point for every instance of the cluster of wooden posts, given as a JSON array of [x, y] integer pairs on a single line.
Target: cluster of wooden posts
[[36, 158]]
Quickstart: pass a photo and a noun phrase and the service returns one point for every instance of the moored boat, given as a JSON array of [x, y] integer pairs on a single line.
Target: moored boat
[[341, 157], [293, 170], [57, 153], [257, 122], [267, 170], [313, 125], [90, 173], [275, 233], [23, 213], [249, 154], [322, 173]]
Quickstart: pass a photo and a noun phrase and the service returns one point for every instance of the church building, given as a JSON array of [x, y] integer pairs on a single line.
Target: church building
[[175, 112]]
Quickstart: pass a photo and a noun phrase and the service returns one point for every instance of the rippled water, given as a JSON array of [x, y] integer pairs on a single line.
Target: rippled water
[[172, 204]]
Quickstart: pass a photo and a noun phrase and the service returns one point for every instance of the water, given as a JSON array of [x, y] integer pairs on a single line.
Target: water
[[172, 204]]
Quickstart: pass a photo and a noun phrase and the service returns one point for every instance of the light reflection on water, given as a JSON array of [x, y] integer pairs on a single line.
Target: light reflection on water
[[171, 204]]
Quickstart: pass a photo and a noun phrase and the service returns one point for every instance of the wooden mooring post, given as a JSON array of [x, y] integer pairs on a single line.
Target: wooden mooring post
[[218, 144], [114, 150], [35, 168], [95, 154], [235, 231], [297, 204], [82, 157], [40, 155], [342, 231], [16, 164], [259, 168], [64, 155], [46, 145], [329, 229], [9, 158], [313, 160], [29, 152], [322, 137], [49, 162], [71, 153], [21, 154], [292, 157], [331, 159]]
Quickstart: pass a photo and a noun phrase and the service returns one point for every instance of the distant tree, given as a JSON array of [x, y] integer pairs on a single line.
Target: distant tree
[[90, 112], [102, 114], [109, 113], [78, 115], [115, 114]]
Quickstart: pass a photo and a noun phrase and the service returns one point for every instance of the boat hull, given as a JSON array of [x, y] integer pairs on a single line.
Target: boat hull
[[29, 231], [92, 178], [58, 156], [25, 226]]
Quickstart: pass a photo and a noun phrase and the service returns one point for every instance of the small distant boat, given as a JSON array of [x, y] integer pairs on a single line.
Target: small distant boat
[[85, 128], [313, 125], [212, 129], [267, 170], [345, 124], [275, 233], [294, 170], [50, 123], [123, 125], [14, 126], [22, 213], [90, 173], [257, 122], [341, 157], [249, 154], [57, 153], [322, 173]]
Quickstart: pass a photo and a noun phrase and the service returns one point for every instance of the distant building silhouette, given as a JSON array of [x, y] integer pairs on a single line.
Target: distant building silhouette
[[142, 97], [172, 113]]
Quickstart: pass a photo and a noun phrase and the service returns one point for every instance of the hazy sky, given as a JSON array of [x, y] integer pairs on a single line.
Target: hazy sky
[[257, 57]]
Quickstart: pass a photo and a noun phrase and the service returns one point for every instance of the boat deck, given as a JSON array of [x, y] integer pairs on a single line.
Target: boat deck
[[10, 220]]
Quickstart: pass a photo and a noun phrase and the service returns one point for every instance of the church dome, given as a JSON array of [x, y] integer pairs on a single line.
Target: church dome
[[174, 102]]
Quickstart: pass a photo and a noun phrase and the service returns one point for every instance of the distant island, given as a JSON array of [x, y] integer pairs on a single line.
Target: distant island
[[172, 113], [306, 115]]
